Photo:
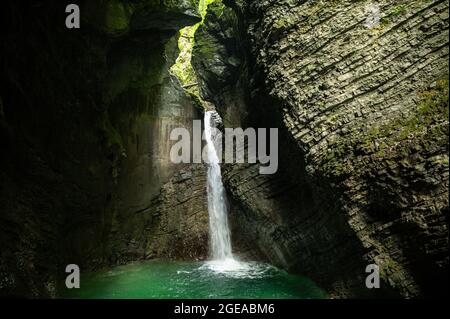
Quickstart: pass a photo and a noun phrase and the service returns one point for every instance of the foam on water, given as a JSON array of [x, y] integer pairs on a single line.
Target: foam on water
[[223, 262], [219, 232], [232, 268]]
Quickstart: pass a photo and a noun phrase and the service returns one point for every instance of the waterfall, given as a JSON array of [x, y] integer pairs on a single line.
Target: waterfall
[[220, 240]]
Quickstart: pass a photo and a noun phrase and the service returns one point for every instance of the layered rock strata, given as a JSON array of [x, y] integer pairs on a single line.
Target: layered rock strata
[[363, 114]]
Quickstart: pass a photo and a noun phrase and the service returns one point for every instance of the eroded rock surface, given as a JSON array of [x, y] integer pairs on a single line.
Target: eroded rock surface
[[363, 113], [85, 119]]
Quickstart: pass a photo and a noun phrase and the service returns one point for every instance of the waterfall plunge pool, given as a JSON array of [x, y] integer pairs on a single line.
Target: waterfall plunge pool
[[195, 280], [223, 278]]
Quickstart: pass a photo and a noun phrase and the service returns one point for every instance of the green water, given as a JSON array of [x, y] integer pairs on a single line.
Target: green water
[[167, 280]]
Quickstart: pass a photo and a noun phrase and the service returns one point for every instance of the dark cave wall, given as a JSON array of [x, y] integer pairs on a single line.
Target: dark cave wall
[[84, 122], [284, 218], [363, 118]]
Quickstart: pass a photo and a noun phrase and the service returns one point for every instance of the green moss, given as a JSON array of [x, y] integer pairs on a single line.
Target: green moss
[[333, 118], [435, 100], [284, 23], [391, 271], [432, 109], [393, 13], [182, 68], [206, 48], [425, 127]]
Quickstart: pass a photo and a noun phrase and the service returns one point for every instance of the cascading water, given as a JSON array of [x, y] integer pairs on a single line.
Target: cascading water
[[220, 241], [222, 277]]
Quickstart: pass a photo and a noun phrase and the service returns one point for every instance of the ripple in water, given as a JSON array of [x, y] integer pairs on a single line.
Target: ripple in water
[[174, 280], [233, 268]]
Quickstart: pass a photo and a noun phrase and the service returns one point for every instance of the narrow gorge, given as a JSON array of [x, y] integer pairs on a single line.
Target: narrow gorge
[[357, 89]]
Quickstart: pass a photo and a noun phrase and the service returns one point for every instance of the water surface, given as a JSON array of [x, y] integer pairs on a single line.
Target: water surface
[[190, 280]]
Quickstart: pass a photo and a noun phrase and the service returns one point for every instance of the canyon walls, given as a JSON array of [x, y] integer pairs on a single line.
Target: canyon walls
[[363, 116], [362, 111], [85, 119]]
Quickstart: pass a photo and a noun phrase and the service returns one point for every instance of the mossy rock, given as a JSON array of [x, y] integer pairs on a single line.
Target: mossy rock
[[425, 128]]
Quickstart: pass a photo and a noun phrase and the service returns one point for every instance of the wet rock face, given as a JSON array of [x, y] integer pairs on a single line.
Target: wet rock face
[[173, 225], [165, 15], [363, 113], [183, 225], [218, 61], [117, 16], [84, 121]]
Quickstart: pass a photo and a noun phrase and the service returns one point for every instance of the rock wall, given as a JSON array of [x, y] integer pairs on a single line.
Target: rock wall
[[363, 118], [84, 122], [363, 114]]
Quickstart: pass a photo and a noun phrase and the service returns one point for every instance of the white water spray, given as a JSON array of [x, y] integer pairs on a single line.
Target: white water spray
[[220, 239], [223, 261]]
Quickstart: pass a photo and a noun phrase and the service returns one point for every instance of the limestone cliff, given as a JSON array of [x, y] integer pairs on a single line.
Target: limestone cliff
[[363, 113], [84, 122]]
